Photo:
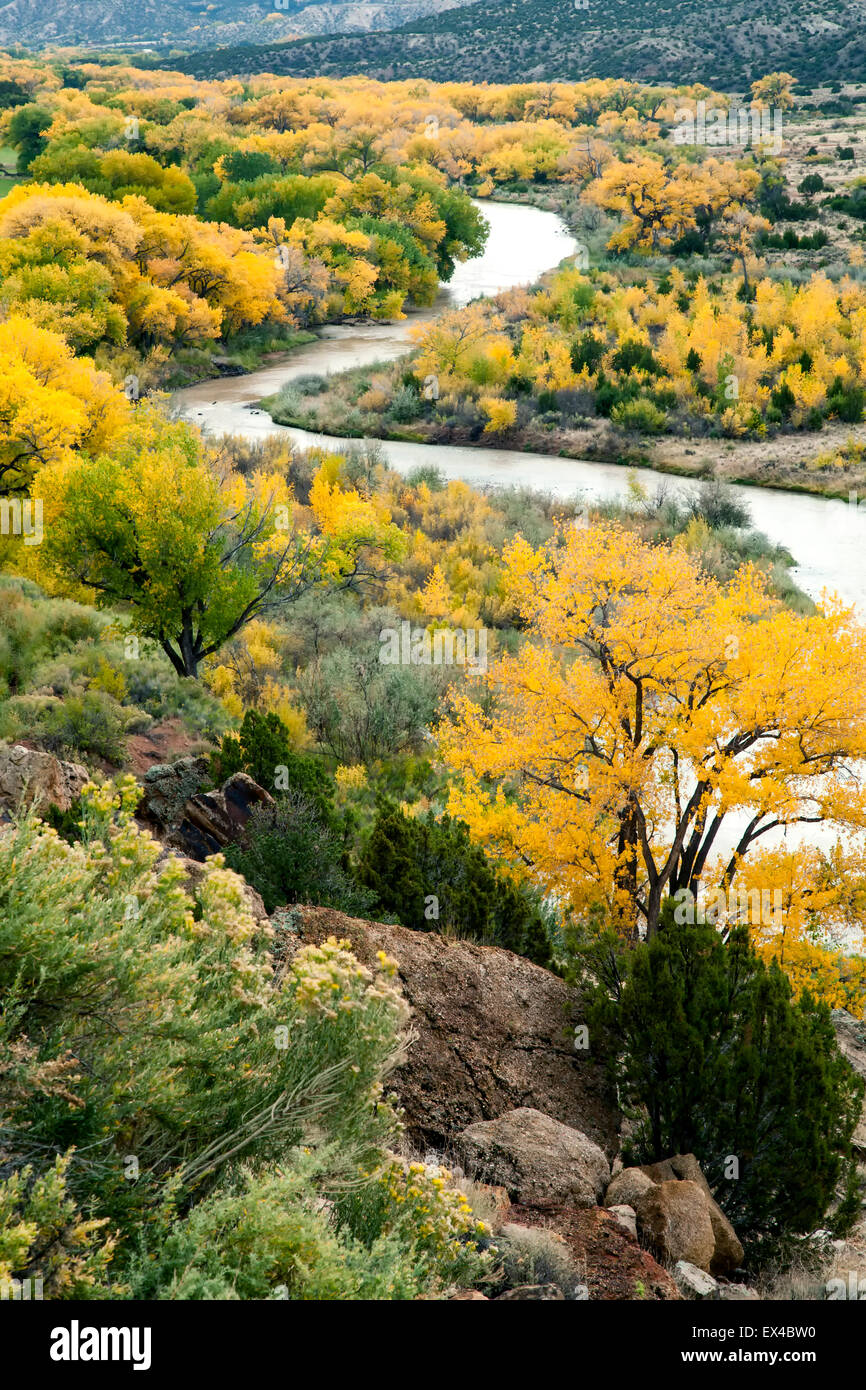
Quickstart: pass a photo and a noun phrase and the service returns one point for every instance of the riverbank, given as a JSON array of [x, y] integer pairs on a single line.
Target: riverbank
[[829, 463], [191, 366]]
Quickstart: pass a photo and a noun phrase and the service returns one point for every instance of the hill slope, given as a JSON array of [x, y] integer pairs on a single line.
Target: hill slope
[[515, 40], [133, 25]]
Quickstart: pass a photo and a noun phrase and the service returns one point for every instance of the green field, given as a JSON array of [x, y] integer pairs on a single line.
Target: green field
[[8, 157]]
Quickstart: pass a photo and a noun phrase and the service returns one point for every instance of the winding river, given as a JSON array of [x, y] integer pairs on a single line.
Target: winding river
[[826, 537]]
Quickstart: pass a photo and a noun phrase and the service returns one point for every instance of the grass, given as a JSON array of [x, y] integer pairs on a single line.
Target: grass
[[8, 180]]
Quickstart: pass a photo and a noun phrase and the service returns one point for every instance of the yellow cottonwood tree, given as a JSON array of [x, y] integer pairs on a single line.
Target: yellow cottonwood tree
[[51, 402], [653, 719]]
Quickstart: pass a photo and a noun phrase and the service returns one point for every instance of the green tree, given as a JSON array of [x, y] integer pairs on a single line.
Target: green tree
[[263, 745], [713, 1057], [430, 875], [193, 554], [25, 133]]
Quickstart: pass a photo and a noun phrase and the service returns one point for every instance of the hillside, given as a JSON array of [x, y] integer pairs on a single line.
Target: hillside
[[544, 39], [193, 24]]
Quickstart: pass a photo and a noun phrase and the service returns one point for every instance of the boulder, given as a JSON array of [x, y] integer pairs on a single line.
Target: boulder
[[195, 822], [166, 788], [492, 1032], [627, 1188], [30, 777], [469, 1296], [216, 819], [674, 1220], [737, 1293], [693, 1282], [682, 1166], [611, 1263], [537, 1292], [539, 1161], [728, 1254], [627, 1218]]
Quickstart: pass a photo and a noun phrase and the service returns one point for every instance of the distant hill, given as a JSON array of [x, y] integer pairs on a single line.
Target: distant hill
[[136, 25], [726, 46]]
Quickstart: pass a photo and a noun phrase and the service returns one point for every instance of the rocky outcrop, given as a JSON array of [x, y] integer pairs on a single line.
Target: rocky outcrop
[[851, 1037], [538, 1161], [29, 777], [492, 1033], [612, 1264], [166, 788], [195, 822], [215, 819]]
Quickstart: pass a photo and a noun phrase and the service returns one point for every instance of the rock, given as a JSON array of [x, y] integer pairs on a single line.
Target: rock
[[728, 1254], [737, 1293], [851, 1038], [216, 819], [539, 1161], [682, 1166], [628, 1188], [194, 872], [194, 822], [29, 777], [694, 1282], [538, 1292], [166, 788], [492, 1032], [612, 1265], [627, 1218], [673, 1218], [228, 366], [469, 1296]]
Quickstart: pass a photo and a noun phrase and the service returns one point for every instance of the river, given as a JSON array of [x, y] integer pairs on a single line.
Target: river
[[825, 537]]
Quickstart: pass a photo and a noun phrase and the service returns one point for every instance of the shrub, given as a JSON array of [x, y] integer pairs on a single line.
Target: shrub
[[406, 405], [138, 1020], [362, 709], [44, 1236], [636, 357], [717, 505], [81, 724], [533, 1255], [265, 1238], [408, 861], [292, 855], [640, 415], [846, 401], [428, 474], [714, 1058]]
